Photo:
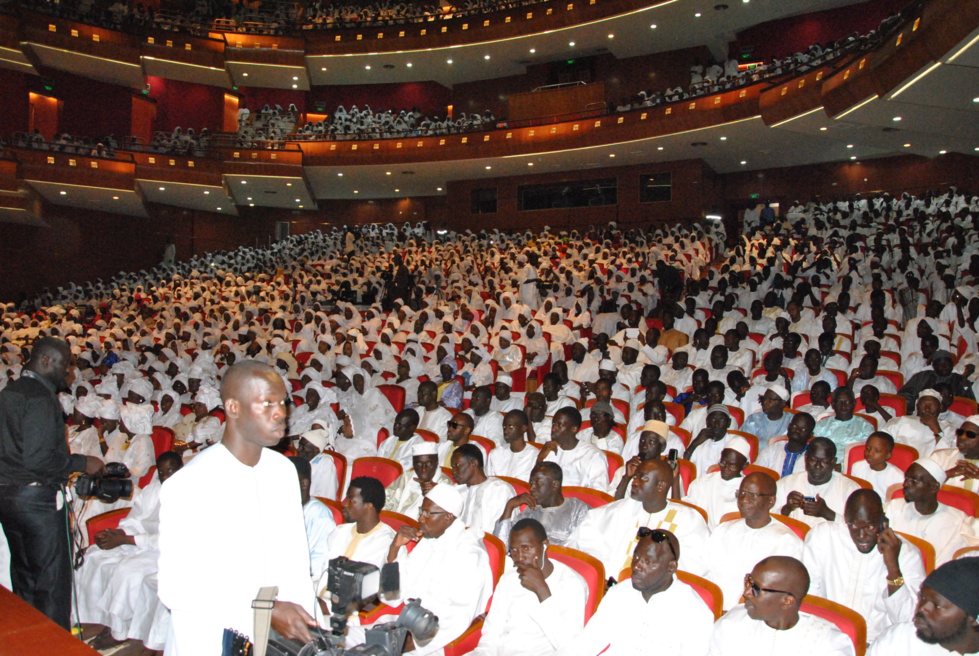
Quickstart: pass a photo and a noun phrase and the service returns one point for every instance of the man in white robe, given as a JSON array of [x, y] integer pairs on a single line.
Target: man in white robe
[[113, 569], [735, 546], [920, 513], [432, 416], [651, 608], [448, 570], [317, 517], [538, 605], [769, 621], [945, 620], [924, 430], [484, 496], [716, 491], [706, 447], [487, 422], [398, 446], [406, 493], [516, 458], [582, 463], [609, 532], [310, 447], [545, 503], [818, 494], [234, 489], [864, 565]]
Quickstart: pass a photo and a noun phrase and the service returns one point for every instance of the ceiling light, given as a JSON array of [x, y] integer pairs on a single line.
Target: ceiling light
[[323, 69], [533, 50], [206, 193], [438, 189], [823, 129], [249, 198], [298, 201], [288, 184], [63, 193], [244, 182], [448, 61], [339, 175], [488, 168], [300, 207], [743, 162], [397, 191], [219, 209], [849, 145], [907, 145], [975, 100], [251, 204], [653, 26], [368, 67], [387, 173], [659, 148], [611, 36], [854, 157], [942, 152], [697, 15], [115, 198], [896, 118], [163, 188], [356, 192], [408, 64], [244, 74], [571, 43], [723, 138], [295, 86], [530, 163], [611, 154], [295, 77], [486, 56]]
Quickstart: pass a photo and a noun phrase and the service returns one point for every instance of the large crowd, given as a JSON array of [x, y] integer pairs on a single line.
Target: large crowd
[[812, 374]]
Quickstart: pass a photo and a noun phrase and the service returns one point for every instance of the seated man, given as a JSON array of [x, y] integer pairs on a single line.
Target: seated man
[[484, 496], [363, 538], [923, 430], [602, 433], [653, 607], [432, 416], [111, 576], [773, 420], [538, 605], [705, 448], [538, 422], [945, 620], [582, 463], [318, 518], [486, 422], [842, 426], [733, 546], [716, 491], [819, 492], [398, 446], [406, 493], [770, 621], [504, 400], [458, 431], [516, 459], [448, 569], [787, 457], [862, 564], [653, 441], [546, 504], [920, 514], [961, 464], [608, 532]]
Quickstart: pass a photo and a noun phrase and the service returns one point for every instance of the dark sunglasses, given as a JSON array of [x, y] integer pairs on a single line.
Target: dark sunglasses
[[453, 424], [970, 434], [756, 590], [657, 535]]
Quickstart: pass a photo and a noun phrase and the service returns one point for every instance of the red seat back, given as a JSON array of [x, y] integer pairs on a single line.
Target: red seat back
[[383, 469]]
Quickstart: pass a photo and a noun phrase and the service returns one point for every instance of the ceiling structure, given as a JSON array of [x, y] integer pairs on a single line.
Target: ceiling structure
[[931, 113]]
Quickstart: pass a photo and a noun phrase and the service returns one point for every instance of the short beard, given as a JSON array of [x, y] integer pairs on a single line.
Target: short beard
[[950, 636]]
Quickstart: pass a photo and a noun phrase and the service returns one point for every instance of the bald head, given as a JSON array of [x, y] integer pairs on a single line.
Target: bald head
[[760, 482], [792, 575], [242, 375]]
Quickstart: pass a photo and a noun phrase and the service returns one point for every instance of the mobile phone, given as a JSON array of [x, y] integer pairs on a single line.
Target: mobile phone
[[884, 523], [810, 499], [671, 457]]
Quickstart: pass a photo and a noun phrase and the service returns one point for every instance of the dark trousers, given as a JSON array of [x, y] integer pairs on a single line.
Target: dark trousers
[[40, 560]]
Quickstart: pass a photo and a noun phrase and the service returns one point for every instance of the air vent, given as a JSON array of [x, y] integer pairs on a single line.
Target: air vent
[[388, 67], [698, 144], [720, 7]]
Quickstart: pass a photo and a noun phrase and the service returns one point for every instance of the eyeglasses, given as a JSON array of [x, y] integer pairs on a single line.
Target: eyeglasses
[[741, 494], [970, 434], [431, 513], [453, 424], [657, 535], [751, 585]]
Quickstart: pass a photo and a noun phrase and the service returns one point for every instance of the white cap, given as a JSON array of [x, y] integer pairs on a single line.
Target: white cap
[[446, 497], [506, 379], [607, 365], [739, 444], [318, 438], [661, 428], [425, 449], [930, 392], [933, 468], [780, 391], [633, 344]]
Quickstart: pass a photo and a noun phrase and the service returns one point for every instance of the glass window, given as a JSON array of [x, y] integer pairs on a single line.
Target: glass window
[[577, 193], [656, 188], [483, 201]]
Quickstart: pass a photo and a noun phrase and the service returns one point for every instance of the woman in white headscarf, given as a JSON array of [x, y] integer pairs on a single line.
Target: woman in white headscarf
[[169, 414]]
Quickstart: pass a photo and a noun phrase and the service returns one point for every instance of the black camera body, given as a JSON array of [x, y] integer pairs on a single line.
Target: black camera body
[[108, 488]]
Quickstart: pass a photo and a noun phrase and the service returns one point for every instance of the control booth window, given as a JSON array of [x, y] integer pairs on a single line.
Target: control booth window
[[483, 201], [577, 193], [656, 188]]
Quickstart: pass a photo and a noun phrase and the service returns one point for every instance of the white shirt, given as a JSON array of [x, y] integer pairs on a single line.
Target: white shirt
[[835, 492], [489, 426], [319, 525], [399, 450], [583, 466], [675, 621], [909, 430], [842, 574], [518, 624], [609, 534], [945, 528], [484, 503], [715, 495], [217, 501], [504, 462], [880, 480], [737, 634], [452, 577], [734, 548], [902, 640], [324, 481]]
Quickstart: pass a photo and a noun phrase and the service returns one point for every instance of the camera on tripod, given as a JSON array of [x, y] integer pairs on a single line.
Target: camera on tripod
[[351, 584], [115, 484]]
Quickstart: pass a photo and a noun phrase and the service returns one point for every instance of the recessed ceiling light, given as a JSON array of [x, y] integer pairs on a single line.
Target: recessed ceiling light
[[975, 100], [249, 198], [163, 188], [219, 209], [408, 64], [387, 173], [368, 67], [300, 207], [896, 118], [206, 193], [743, 162], [288, 184], [854, 157], [356, 192], [533, 50], [448, 61], [251, 204], [723, 138], [486, 56], [653, 26], [295, 86], [438, 189], [697, 15], [488, 168], [63, 193], [849, 145], [294, 77], [571, 43], [397, 191], [611, 36], [659, 148], [339, 175], [244, 182], [907, 145], [298, 200], [823, 129], [115, 198], [611, 154], [323, 69], [942, 152], [530, 163], [244, 74]]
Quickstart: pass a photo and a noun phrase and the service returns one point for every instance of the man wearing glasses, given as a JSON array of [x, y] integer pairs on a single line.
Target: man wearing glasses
[[769, 621], [961, 464], [650, 608], [862, 564], [735, 546]]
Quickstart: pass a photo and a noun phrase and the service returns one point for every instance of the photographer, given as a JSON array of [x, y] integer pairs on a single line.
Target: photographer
[[34, 465]]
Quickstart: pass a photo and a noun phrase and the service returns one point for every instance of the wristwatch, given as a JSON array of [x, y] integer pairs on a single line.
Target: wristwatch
[[897, 583]]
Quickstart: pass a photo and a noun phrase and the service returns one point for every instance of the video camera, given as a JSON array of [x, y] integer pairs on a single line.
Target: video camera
[[109, 487], [351, 584]]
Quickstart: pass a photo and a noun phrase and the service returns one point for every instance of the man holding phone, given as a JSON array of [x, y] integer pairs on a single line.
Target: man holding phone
[[864, 565], [819, 492]]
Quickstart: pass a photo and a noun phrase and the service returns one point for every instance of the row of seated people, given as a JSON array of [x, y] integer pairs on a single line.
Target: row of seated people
[[175, 142]]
